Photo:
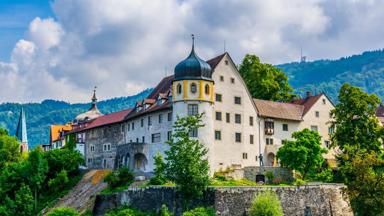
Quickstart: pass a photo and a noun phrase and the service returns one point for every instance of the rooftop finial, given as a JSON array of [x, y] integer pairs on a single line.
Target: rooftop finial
[[94, 99], [193, 41]]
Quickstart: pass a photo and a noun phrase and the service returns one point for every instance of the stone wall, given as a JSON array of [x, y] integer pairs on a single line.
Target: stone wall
[[324, 200]]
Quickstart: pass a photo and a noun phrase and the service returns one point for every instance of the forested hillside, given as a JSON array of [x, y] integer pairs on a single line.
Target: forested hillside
[[365, 70], [41, 115]]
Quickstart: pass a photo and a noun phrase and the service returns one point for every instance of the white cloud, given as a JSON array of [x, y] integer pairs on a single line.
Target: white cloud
[[124, 46]]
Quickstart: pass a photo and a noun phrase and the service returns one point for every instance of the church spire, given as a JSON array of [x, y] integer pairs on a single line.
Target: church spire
[[21, 130], [94, 98]]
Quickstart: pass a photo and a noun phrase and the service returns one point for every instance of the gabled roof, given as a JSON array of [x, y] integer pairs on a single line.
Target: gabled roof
[[164, 85], [279, 110], [56, 129], [21, 130], [307, 102], [215, 61], [108, 119]]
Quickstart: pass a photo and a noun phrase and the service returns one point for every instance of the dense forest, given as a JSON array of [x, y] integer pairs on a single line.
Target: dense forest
[[41, 115], [365, 70]]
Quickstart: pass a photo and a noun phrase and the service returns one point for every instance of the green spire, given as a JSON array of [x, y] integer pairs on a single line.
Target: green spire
[[21, 130]]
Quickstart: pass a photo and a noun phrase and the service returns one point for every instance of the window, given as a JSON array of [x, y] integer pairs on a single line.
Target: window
[[226, 62], [193, 88], [193, 109], [314, 128], [317, 114], [238, 137], [324, 101], [142, 122], [245, 155], [107, 147], [331, 130], [155, 137], [143, 139], [169, 116], [217, 135], [238, 100], [326, 143], [169, 135], [251, 139], [218, 116], [129, 127], [285, 127], [178, 88], [251, 120], [227, 117], [207, 89], [160, 118], [104, 163], [232, 80], [221, 78], [269, 127], [269, 141], [137, 139], [92, 148], [193, 133], [149, 120], [255, 158], [237, 118], [133, 125], [218, 97]]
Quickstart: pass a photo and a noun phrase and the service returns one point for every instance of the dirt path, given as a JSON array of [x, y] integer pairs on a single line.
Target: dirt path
[[82, 196]]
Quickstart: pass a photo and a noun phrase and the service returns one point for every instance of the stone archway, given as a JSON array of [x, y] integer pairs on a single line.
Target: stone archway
[[271, 159], [140, 162], [126, 160]]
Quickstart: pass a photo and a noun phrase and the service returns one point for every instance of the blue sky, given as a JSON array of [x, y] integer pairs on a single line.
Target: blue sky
[[15, 16], [61, 49]]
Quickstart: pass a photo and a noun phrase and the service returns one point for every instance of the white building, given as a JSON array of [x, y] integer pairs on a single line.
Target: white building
[[238, 129]]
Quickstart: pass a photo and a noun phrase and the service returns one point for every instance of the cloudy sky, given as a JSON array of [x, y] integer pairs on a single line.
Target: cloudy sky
[[60, 49]]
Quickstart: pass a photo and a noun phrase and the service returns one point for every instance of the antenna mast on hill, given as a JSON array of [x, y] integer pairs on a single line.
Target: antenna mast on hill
[[303, 59]]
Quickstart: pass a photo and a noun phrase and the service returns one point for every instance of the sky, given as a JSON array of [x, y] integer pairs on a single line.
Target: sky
[[61, 49]]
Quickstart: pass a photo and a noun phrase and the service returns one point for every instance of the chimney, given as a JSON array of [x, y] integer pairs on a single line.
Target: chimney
[[309, 94]]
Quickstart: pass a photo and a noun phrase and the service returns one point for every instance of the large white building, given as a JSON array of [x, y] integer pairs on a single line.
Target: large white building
[[239, 130]]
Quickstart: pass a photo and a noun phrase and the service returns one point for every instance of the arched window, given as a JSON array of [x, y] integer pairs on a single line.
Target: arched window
[[193, 88], [178, 88], [207, 89]]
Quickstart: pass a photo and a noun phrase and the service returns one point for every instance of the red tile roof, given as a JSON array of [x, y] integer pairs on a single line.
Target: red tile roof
[[307, 102], [164, 85], [108, 119], [279, 110], [215, 61]]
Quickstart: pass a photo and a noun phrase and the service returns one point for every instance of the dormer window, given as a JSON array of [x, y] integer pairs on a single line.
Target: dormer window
[[178, 88], [207, 89], [193, 88]]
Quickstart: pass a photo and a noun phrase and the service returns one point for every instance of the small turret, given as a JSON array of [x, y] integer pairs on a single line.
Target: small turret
[[92, 113]]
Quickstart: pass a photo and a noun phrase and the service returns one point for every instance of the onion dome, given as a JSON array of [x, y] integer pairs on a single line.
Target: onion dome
[[92, 113], [193, 67]]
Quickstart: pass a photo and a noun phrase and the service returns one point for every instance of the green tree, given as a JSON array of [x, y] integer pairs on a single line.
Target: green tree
[[59, 182], [37, 168], [355, 121], [23, 201], [364, 174], [186, 160], [304, 154], [63, 159], [266, 204], [265, 81], [159, 177], [9, 149]]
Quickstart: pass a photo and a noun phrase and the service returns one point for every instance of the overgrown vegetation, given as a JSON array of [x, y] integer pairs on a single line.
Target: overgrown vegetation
[[34, 182], [266, 204], [63, 211], [118, 180], [128, 211]]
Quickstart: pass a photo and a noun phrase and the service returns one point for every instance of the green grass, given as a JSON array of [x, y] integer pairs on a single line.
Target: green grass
[[49, 200], [109, 190], [243, 182]]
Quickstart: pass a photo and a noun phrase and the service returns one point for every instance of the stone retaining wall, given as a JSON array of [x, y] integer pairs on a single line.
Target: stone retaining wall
[[324, 200], [279, 172]]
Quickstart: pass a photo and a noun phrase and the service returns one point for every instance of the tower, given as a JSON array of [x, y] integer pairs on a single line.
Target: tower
[[21, 132], [192, 91]]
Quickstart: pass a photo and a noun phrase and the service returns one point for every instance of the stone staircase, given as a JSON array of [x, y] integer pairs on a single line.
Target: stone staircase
[[82, 196]]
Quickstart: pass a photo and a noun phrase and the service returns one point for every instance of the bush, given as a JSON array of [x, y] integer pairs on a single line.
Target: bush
[[164, 211], [159, 177], [59, 182], [63, 211], [119, 178], [299, 182], [201, 211], [126, 211], [270, 176], [266, 204]]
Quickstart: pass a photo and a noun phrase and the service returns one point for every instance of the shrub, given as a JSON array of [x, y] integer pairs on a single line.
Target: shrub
[[63, 211], [126, 211], [118, 178], [299, 182], [159, 177], [270, 176], [201, 211], [59, 181], [164, 211], [266, 204]]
